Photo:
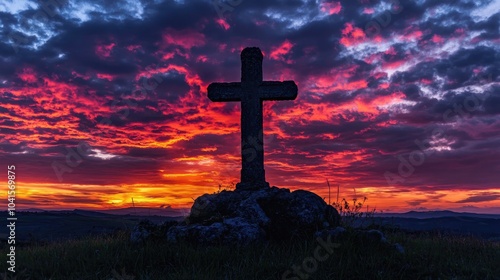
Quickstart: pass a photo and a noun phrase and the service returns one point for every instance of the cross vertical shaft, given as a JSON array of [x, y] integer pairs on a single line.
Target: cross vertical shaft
[[252, 123], [251, 92]]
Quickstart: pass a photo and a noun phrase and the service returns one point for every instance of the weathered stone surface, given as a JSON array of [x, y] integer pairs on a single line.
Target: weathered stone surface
[[142, 231], [375, 236], [336, 234], [248, 216], [332, 216], [399, 248], [236, 231], [240, 231], [145, 229], [203, 234]]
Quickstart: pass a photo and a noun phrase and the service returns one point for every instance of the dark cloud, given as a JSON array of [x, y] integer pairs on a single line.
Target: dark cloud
[[480, 198]]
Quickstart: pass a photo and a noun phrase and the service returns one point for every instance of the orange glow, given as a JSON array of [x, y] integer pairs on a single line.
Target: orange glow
[[180, 195], [99, 197]]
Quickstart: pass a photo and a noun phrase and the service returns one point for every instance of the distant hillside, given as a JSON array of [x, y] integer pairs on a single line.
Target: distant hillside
[[66, 224], [437, 214], [145, 211], [137, 211]]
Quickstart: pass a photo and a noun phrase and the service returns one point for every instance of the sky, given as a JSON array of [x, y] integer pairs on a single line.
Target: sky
[[105, 101]]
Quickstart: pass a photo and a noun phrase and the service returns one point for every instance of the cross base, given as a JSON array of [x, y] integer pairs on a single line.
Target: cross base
[[252, 179]]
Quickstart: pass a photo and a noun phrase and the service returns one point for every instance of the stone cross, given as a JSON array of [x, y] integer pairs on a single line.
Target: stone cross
[[251, 92]]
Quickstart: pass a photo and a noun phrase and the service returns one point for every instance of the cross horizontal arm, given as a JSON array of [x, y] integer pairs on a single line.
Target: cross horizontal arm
[[286, 90], [220, 92]]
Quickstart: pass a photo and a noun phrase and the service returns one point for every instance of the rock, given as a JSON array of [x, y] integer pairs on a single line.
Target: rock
[[298, 213], [240, 231], [375, 236], [146, 229], [202, 234], [202, 209], [332, 216], [335, 234], [142, 231], [246, 216], [231, 231], [399, 248]]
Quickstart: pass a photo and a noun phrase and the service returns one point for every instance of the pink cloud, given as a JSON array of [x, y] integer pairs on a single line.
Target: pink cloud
[[368, 11], [352, 35], [168, 55], [105, 76], [331, 8], [280, 52], [202, 58], [437, 39], [223, 23], [104, 51], [183, 38], [411, 35], [28, 75], [133, 48]]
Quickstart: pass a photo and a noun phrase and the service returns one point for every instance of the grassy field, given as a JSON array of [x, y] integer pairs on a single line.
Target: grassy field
[[427, 256]]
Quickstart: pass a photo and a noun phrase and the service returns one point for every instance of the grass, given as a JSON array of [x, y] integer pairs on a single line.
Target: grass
[[428, 256]]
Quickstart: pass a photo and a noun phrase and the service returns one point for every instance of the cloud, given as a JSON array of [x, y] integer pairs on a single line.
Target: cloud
[[130, 80], [480, 198]]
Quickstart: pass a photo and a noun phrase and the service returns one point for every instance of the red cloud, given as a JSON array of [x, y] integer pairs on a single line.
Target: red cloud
[[191, 78], [337, 80], [105, 76], [184, 38], [280, 52], [366, 105], [352, 35], [28, 75]]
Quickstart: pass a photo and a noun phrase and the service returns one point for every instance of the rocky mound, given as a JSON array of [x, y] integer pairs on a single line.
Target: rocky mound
[[247, 216]]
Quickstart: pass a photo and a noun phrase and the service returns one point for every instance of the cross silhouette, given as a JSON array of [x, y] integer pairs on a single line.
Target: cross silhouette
[[251, 91]]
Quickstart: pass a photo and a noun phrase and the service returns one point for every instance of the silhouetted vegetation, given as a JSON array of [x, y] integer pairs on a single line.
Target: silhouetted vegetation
[[428, 256]]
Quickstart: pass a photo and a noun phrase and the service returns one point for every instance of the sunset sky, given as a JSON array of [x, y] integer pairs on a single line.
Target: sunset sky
[[105, 101]]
